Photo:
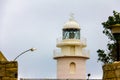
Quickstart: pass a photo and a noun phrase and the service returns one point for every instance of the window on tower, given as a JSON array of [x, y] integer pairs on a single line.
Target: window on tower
[[72, 68]]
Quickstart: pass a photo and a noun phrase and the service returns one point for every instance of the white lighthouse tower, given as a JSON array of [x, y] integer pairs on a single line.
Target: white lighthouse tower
[[71, 58]]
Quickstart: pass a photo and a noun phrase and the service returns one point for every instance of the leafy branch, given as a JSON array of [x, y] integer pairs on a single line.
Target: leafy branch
[[112, 20], [109, 55]]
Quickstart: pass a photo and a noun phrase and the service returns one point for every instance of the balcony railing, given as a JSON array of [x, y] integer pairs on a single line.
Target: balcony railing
[[85, 53], [81, 42], [59, 40]]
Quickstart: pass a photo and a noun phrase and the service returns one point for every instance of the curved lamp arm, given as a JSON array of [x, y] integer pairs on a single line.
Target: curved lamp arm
[[32, 49]]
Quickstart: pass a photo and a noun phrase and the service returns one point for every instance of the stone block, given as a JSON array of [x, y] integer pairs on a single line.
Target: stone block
[[110, 74], [118, 67], [111, 71], [11, 72], [107, 68], [11, 69], [3, 62], [5, 78], [11, 64], [13, 79], [2, 71], [117, 73], [2, 66], [8, 70]]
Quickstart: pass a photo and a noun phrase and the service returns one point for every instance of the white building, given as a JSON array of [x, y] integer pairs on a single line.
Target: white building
[[71, 56]]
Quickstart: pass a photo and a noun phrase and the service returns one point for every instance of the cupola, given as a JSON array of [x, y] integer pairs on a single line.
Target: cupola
[[71, 29]]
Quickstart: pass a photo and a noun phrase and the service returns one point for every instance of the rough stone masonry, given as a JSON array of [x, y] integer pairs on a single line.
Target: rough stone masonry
[[111, 71], [8, 69]]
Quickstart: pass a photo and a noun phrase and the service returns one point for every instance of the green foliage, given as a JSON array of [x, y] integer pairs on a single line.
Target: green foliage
[[112, 20], [102, 56], [109, 55]]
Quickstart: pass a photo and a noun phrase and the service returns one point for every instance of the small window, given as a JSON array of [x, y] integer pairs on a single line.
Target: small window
[[72, 68]]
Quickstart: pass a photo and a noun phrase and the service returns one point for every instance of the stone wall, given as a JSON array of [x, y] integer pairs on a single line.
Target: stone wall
[[8, 70], [111, 71]]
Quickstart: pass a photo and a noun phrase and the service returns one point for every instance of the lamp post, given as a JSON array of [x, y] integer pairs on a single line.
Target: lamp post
[[31, 49], [115, 29], [88, 76]]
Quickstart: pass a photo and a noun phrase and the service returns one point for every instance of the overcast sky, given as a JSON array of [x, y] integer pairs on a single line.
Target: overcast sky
[[38, 23]]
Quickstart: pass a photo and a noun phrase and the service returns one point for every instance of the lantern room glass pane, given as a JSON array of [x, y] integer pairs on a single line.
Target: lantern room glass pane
[[71, 34]]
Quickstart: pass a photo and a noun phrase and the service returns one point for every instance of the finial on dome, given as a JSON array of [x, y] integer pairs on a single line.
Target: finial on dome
[[71, 16]]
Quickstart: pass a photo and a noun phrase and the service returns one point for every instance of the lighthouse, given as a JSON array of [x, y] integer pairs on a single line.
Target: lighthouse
[[71, 56]]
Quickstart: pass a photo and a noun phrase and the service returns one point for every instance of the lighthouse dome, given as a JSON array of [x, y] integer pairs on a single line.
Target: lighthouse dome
[[71, 24]]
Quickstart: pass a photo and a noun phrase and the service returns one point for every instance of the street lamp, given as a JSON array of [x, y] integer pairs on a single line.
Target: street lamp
[[31, 49], [88, 76], [115, 29]]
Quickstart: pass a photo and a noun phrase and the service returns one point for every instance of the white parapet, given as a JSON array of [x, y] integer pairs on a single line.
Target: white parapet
[[58, 53], [81, 41]]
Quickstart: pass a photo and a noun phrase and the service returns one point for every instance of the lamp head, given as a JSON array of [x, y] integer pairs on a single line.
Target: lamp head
[[32, 49], [89, 74]]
